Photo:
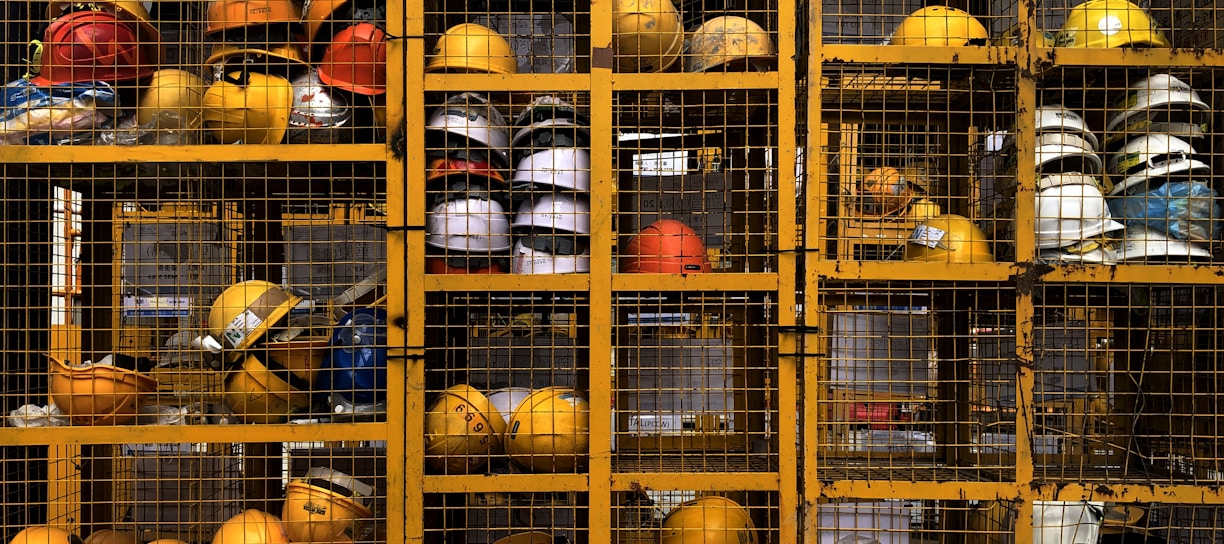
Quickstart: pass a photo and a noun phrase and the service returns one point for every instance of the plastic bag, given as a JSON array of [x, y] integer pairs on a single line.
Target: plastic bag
[[1187, 210], [68, 113]]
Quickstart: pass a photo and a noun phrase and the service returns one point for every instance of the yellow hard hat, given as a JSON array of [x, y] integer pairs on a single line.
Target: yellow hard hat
[[44, 534], [252, 527], [940, 25], [98, 394], [303, 357], [244, 312], [461, 430], [646, 34], [922, 209], [730, 41], [550, 431], [173, 91], [1109, 23], [263, 391], [709, 520], [111, 536], [130, 9], [248, 107], [948, 238], [470, 47], [326, 506], [227, 53], [534, 537]]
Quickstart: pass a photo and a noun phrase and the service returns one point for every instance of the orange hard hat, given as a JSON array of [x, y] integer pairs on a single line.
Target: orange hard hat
[[94, 46], [666, 246], [226, 15], [356, 60]]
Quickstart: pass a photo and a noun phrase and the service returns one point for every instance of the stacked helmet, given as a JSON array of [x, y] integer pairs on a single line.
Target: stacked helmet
[[646, 35], [709, 520], [318, 115], [356, 366], [948, 238], [469, 224], [111, 536], [730, 43], [470, 117], [1095, 251], [1162, 99], [94, 46], [472, 48], [464, 264], [1147, 244], [98, 394], [326, 506], [666, 246], [251, 527], [562, 167], [939, 25], [356, 60], [556, 231], [228, 15], [1152, 157], [177, 94], [1063, 141], [550, 431], [461, 431], [125, 9], [257, 58], [1070, 209], [1109, 23], [549, 107], [244, 312], [44, 534], [549, 123], [248, 107], [261, 390]]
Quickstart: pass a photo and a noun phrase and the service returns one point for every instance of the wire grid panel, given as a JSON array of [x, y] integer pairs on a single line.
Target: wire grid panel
[[648, 515], [522, 38], [695, 390], [905, 23], [196, 72], [507, 382], [905, 144], [712, 172], [892, 521], [902, 360], [486, 518]]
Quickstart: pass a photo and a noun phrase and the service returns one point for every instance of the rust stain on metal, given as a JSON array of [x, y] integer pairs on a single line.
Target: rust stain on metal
[[1029, 276]]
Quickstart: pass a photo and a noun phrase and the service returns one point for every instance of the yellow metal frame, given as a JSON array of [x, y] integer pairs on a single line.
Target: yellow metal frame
[[803, 268]]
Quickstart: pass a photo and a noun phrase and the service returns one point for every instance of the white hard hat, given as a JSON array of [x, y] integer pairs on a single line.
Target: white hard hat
[[1070, 212], [471, 115], [1161, 97], [549, 254], [546, 107], [1152, 156], [566, 167], [548, 134], [1143, 244], [470, 224], [559, 212]]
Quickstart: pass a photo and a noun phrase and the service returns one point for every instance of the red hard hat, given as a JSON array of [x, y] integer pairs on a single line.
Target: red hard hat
[[356, 60], [442, 167], [666, 246], [94, 46], [463, 265]]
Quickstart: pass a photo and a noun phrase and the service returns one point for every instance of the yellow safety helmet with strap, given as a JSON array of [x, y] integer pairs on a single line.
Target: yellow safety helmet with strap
[[326, 506], [243, 313], [940, 25], [261, 390], [98, 394], [172, 91], [248, 107], [470, 47], [646, 34], [1109, 23]]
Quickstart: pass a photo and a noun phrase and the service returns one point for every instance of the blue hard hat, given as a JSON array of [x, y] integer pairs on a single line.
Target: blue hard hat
[[356, 365]]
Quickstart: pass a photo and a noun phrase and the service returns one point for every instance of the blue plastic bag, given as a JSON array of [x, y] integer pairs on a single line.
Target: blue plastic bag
[[1186, 210], [60, 114]]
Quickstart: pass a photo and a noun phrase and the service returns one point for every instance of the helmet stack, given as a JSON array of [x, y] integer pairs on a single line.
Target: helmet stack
[[543, 430], [553, 167], [1160, 186], [467, 226]]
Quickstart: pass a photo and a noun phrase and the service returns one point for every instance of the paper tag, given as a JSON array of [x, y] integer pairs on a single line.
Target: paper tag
[[241, 326], [927, 236]]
